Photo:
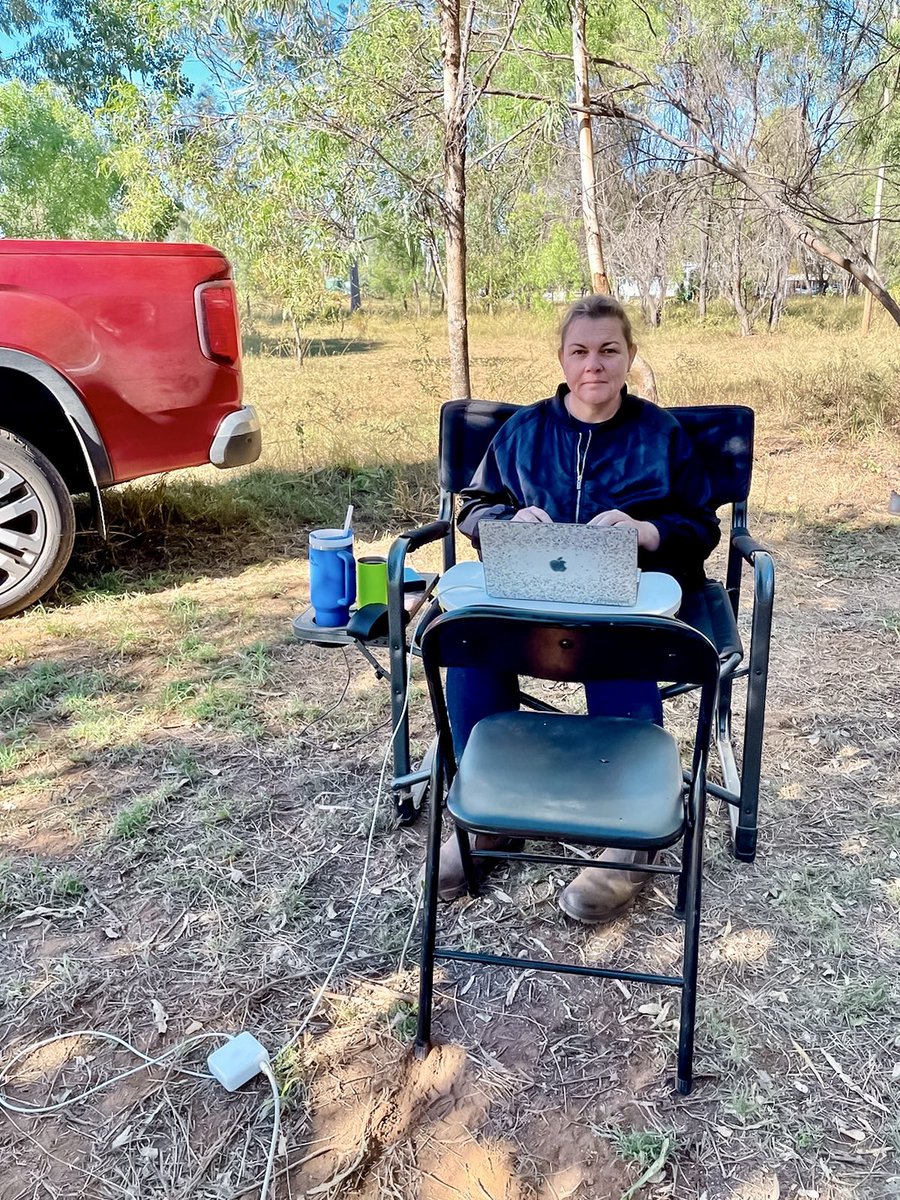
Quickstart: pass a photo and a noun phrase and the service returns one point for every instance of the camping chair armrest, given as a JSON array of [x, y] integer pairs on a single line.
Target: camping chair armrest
[[406, 543], [746, 545], [763, 570], [423, 535]]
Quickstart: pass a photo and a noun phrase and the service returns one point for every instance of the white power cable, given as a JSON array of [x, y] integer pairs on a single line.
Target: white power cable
[[368, 855], [36, 1110], [39, 1110], [276, 1129]]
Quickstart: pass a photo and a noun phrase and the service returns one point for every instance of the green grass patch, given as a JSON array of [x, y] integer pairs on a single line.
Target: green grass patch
[[28, 883], [133, 820], [226, 707], [193, 648], [16, 754], [858, 1002], [37, 689], [642, 1146], [182, 763]]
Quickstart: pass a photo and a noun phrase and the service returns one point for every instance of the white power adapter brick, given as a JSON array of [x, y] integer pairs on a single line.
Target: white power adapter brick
[[238, 1061]]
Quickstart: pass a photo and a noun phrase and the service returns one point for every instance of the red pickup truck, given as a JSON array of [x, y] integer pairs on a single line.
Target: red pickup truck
[[117, 360]]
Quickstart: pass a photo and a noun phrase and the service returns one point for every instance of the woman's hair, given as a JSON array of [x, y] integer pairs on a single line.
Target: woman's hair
[[595, 307]]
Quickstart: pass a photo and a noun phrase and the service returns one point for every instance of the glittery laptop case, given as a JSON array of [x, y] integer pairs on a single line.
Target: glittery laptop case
[[579, 564]]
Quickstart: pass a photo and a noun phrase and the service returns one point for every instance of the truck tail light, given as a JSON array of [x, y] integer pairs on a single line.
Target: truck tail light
[[217, 321]]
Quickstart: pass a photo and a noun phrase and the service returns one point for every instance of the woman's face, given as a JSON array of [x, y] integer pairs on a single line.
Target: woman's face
[[595, 359]]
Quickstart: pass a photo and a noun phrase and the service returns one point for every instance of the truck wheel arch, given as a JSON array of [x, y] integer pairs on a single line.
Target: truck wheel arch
[[86, 435]]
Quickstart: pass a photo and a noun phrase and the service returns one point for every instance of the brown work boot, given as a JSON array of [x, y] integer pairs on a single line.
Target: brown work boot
[[596, 895], [452, 877]]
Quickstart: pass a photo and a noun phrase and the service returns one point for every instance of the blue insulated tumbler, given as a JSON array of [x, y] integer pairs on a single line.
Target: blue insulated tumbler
[[332, 575]]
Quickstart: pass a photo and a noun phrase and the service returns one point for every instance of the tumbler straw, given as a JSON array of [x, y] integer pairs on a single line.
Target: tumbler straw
[[348, 518]]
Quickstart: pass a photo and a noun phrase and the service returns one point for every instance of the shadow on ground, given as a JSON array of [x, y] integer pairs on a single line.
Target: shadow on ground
[[173, 531], [272, 346]]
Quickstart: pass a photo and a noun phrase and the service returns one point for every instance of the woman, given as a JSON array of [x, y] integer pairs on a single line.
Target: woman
[[591, 454]]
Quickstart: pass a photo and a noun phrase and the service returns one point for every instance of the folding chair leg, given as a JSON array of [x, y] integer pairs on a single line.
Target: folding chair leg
[[694, 857], [404, 809], [745, 820], [429, 918], [745, 827], [681, 896], [468, 862]]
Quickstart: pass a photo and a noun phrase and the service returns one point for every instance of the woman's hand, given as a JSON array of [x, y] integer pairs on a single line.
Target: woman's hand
[[648, 534], [533, 516]]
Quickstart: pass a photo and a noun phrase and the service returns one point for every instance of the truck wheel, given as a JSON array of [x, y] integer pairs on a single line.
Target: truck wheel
[[37, 524]]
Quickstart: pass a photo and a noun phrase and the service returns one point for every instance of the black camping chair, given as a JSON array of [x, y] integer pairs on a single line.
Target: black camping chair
[[723, 438], [599, 781]]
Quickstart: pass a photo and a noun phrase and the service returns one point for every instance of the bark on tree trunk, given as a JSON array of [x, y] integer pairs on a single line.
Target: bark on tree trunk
[[454, 203], [599, 278], [298, 340], [779, 294], [641, 371], [737, 285], [703, 266], [355, 294], [873, 248]]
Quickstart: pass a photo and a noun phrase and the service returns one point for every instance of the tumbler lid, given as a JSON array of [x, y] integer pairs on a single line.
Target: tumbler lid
[[330, 539]]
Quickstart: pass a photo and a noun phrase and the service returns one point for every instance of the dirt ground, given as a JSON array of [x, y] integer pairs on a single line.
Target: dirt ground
[[185, 801]]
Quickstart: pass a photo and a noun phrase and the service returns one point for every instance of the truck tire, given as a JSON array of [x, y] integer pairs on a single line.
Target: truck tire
[[37, 524]]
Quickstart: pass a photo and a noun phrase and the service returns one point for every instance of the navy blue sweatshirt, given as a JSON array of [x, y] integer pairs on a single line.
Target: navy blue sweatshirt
[[640, 461]]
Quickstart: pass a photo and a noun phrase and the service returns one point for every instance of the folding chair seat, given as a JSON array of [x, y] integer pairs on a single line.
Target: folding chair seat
[[601, 781]]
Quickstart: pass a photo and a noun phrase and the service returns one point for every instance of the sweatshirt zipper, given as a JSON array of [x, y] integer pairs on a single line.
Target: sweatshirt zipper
[[580, 464]]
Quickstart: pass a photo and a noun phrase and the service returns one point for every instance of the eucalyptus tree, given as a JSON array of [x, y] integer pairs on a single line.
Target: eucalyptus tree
[[700, 80], [53, 180], [88, 47]]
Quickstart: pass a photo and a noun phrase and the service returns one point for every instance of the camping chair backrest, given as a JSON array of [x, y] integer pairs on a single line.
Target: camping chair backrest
[[467, 429], [722, 436]]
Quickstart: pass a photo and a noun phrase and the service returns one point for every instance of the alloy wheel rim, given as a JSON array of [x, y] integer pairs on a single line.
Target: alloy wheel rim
[[23, 528]]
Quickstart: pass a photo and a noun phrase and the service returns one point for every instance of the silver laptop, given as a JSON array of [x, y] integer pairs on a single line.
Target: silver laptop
[[578, 564]]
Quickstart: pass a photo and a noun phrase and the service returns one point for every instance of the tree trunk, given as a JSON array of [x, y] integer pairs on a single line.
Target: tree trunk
[[599, 279], [873, 248], [355, 294], [641, 371], [298, 340], [455, 197], [703, 265], [777, 300], [737, 284]]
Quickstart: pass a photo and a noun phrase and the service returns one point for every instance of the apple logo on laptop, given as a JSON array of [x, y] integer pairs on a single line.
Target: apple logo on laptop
[[557, 564]]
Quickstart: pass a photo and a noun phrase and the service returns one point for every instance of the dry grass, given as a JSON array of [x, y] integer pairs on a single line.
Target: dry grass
[[184, 806]]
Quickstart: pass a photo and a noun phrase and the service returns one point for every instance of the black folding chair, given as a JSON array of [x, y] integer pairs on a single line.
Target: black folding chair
[[723, 438], [599, 781]]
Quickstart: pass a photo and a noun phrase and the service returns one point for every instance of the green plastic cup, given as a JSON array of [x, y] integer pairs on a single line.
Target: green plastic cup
[[371, 581]]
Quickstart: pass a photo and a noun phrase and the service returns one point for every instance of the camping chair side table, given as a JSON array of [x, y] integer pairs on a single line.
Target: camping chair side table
[[379, 625]]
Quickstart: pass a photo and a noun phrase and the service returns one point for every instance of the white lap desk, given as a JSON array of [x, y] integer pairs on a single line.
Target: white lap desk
[[463, 587]]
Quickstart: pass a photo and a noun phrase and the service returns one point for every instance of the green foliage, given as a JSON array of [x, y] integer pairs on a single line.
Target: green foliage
[[145, 158], [53, 179], [87, 46]]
